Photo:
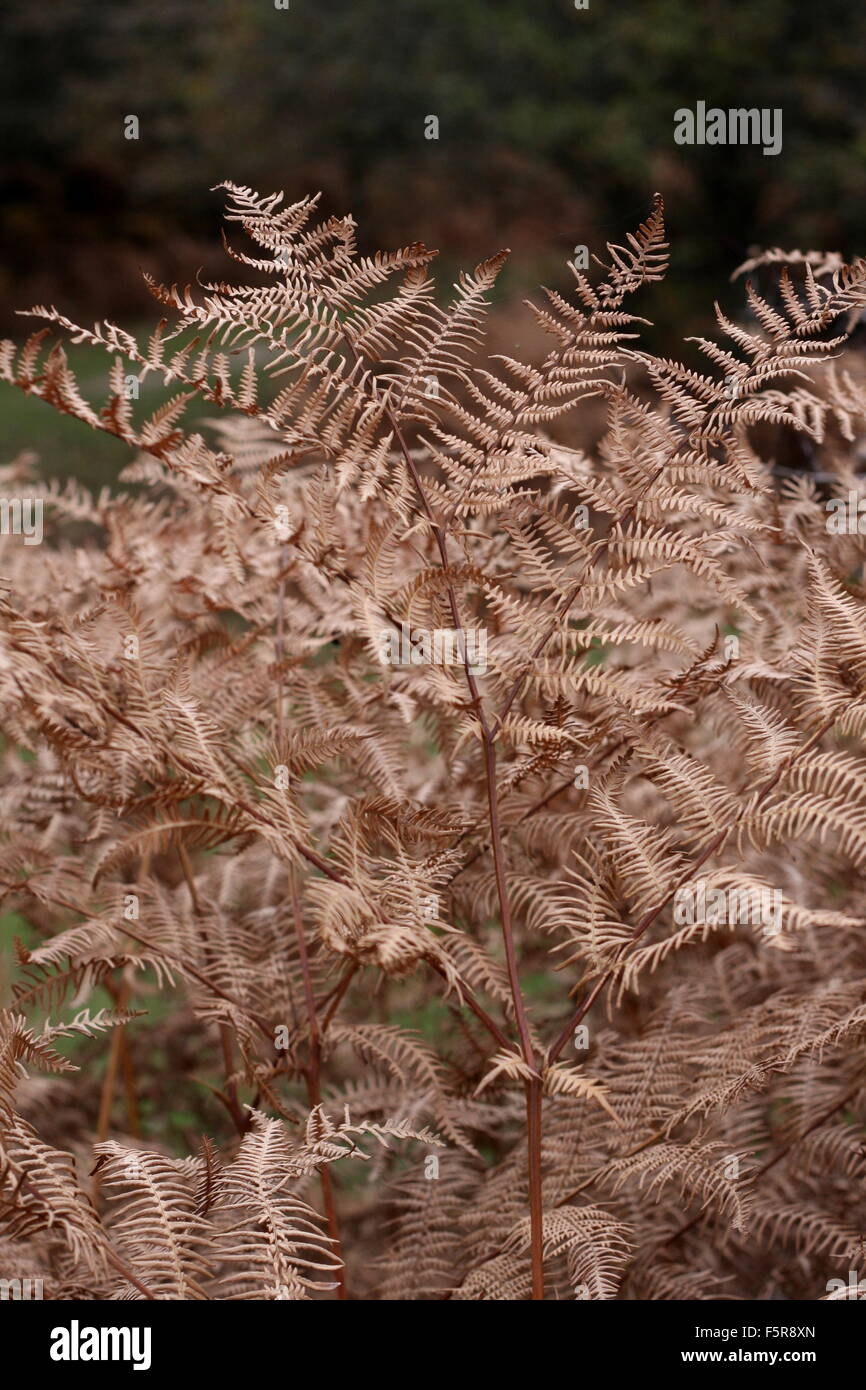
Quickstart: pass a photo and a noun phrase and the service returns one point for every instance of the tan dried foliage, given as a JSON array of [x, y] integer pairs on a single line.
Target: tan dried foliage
[[418, 923]]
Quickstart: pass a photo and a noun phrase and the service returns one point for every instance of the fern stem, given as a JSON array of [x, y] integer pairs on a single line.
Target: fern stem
[[468, 998], [533, 1100], [536, 1207], [505, 905], [129, 1085], [533, 1088]]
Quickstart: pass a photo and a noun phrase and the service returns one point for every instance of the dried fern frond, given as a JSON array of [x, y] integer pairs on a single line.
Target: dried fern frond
[[455, 809]]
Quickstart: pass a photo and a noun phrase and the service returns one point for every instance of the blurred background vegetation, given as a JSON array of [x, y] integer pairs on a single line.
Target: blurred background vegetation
[[555, 127]]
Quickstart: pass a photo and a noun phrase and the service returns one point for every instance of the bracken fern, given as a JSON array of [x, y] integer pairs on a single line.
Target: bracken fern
[[420, 922]]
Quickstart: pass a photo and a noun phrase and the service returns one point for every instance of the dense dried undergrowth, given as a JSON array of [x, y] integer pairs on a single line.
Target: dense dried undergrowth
[[472, 823]]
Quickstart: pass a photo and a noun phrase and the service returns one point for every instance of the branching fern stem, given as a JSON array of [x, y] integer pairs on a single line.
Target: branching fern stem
[[532, 1086]]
